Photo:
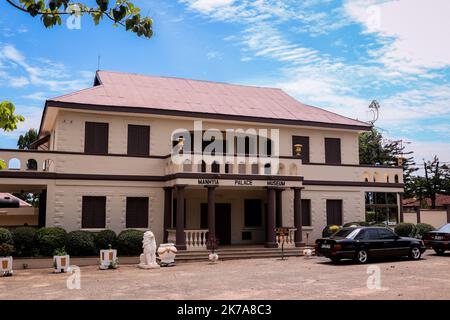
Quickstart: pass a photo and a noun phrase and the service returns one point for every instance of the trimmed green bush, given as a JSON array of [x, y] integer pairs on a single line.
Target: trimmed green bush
[[421, 229], [105, 238], [5, 236], [329, 230], [379, 224], [24, 241], [405, 229], [49, 239], [356, 223], [129, 242], [80, 243], [6, 249]]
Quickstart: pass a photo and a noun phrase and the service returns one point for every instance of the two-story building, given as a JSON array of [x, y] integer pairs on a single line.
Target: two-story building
[[106, 158]]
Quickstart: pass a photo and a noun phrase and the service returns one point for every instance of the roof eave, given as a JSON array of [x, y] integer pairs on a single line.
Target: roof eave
[[83, 106]]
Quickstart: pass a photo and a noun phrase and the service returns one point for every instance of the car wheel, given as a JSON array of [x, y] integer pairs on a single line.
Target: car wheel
[[335, 259], [361, 256], [439, 251], [414, 253]]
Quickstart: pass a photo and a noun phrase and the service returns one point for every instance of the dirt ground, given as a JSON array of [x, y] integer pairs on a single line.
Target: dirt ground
[[294, 278]]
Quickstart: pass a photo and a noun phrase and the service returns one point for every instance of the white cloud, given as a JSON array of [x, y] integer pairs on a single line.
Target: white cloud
[[414, 32], [209, 5], [212, 55], [428, 149], [39, 72], [39, 96]]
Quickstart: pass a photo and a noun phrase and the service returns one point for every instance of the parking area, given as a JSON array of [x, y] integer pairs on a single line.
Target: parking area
[[294, 278]]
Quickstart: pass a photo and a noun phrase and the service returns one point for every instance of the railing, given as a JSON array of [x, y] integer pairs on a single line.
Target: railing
[[236, 164], [196, 239], [79, 163], [352, 173], [26, 161], [289, 240]]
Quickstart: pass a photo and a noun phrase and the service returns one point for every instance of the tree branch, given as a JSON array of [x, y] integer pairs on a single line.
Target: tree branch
[[64, 12]]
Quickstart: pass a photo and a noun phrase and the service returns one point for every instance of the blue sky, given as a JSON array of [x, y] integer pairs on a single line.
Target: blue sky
[[338, 55]]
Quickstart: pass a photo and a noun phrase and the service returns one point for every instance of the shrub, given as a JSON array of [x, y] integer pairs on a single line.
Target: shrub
[[421, 229], [356, 224], [329, 230], [105, 238], [6, 249], [380, 224], [80, 243], [405, 229], [24, 240], [49, 239], [5, 236], [129, 242]]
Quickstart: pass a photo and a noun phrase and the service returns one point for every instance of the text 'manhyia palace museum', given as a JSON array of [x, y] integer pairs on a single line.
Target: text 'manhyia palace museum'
[[104, 160]]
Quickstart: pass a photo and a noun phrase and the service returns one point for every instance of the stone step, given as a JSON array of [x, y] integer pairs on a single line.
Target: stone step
[[245, 251], [242, 253], [235, 257]]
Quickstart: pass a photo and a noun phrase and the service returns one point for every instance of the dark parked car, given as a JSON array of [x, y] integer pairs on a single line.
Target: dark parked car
[[363, 243], [439, 239]]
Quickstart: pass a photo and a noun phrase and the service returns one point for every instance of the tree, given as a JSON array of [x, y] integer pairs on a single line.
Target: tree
[[373, 150], [26, 140], [436, 180], [121, 12], [9, 120], [24, 143]]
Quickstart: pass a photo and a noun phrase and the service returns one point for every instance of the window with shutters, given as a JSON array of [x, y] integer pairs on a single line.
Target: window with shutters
[[306, 212], [304, 141], [138, 140], [334, 212], [93, 213], [96, 137], [137, 212], [333, 150]]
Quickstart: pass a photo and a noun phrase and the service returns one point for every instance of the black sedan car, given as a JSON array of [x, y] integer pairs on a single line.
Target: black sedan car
[[439, 239], [363, 243]]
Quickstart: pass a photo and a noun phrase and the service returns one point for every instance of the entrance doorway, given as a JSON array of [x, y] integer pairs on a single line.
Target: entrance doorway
[[223, 221]]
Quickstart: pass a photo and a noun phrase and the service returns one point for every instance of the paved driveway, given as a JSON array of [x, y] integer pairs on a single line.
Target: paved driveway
[[295, 278]]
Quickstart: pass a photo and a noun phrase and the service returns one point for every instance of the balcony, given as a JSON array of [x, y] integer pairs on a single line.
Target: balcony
[[235, 164], [80, 163], [353, 173]]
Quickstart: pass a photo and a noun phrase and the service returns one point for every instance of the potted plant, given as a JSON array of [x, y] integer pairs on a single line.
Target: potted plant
[[108, 259], [6, 260], [61, 260]]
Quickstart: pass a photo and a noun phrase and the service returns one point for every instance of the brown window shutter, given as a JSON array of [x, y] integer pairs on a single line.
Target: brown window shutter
[[138, 140], [304, 141], [333, 150], [93, 212], [96, 137], [334, 212], [137, 212], [306, 212]]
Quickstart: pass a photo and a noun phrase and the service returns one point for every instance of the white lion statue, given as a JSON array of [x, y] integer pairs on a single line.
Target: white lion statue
[[148, 257]]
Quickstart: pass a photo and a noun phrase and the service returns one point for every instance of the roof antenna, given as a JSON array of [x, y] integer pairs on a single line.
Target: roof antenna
[[98, 63], [375, 108]]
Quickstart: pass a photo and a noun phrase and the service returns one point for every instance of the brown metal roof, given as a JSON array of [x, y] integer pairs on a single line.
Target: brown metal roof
[[142, 92]]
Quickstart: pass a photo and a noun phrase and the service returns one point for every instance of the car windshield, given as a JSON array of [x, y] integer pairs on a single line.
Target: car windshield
[[348, 233], [445, 228]]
